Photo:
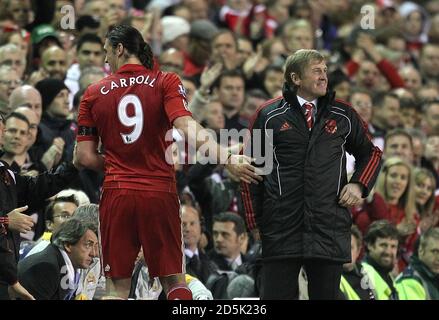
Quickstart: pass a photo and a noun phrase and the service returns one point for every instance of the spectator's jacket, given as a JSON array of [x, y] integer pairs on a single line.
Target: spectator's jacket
[[355, 284], [381, 282], [200, 267], [43, 274], [417, 282], [221, 261], [296, 206]]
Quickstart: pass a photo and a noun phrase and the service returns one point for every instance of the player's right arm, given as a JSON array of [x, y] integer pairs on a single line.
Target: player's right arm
[[175, 106]]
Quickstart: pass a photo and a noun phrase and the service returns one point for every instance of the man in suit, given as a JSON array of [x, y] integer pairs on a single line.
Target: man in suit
[[53, 274], [228, 236], [198, 264]]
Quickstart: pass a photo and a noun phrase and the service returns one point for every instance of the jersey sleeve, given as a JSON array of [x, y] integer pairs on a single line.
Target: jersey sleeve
[[174, 97], [87, 130]]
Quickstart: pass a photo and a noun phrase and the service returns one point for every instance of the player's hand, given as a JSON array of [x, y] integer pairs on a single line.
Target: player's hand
[[19, 221], [240, 166], [350, 195]]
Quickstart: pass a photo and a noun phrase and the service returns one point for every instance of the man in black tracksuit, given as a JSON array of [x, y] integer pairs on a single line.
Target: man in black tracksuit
[[300, 209], [18, 194]]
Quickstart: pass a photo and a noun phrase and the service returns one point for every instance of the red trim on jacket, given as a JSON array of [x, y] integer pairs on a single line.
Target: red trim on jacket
[[245, 193]]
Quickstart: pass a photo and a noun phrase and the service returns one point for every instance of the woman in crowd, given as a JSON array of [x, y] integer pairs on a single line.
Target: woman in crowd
[[425, 184], [395, 184]]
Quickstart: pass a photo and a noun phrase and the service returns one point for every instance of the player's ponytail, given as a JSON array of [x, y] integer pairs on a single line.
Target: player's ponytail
[[133, 42], [145, 55]]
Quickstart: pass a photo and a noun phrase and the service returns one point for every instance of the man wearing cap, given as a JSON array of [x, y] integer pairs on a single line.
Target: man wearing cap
[[55, 122], [43, 37], [175, 33], [199, 48]]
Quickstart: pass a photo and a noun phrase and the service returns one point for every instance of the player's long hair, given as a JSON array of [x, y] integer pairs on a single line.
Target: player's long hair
[[133, 42]]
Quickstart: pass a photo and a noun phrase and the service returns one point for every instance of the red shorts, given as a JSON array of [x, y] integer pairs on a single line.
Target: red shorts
[[131, 219]]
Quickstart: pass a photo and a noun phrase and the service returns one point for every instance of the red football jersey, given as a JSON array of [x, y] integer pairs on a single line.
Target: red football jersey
[[132, 111]]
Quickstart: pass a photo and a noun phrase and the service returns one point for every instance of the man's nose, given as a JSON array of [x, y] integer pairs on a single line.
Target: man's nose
[[94, 252]]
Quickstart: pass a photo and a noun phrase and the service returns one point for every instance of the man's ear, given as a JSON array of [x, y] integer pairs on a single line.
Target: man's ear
[[295, 78], [68, 248], [242, 237], [421, 251], [120, 50], [49, 225]]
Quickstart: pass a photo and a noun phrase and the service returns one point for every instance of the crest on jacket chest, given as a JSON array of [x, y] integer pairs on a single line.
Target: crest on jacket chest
[[331, 126]]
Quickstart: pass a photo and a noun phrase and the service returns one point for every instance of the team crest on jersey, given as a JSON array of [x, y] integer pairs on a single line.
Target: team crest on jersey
[[182, 91], [331, 126]]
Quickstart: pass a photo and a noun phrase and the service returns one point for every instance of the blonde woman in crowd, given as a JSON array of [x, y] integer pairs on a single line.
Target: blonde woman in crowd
[[395, 184]]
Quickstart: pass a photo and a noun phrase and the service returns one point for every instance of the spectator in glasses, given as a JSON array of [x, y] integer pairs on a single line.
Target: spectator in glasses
[[11, 55], [9, 80], [57, 212]]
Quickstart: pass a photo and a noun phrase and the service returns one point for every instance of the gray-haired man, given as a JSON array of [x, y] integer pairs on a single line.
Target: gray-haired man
[[53, 274]]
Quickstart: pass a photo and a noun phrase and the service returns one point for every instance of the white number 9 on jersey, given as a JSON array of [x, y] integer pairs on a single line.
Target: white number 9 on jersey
[[129, 121]]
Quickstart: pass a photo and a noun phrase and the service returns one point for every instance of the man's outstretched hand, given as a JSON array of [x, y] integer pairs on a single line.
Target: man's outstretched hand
[[240, 166]]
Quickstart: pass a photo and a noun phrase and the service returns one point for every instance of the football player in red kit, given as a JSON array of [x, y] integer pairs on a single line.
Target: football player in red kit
[[130, 112]]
